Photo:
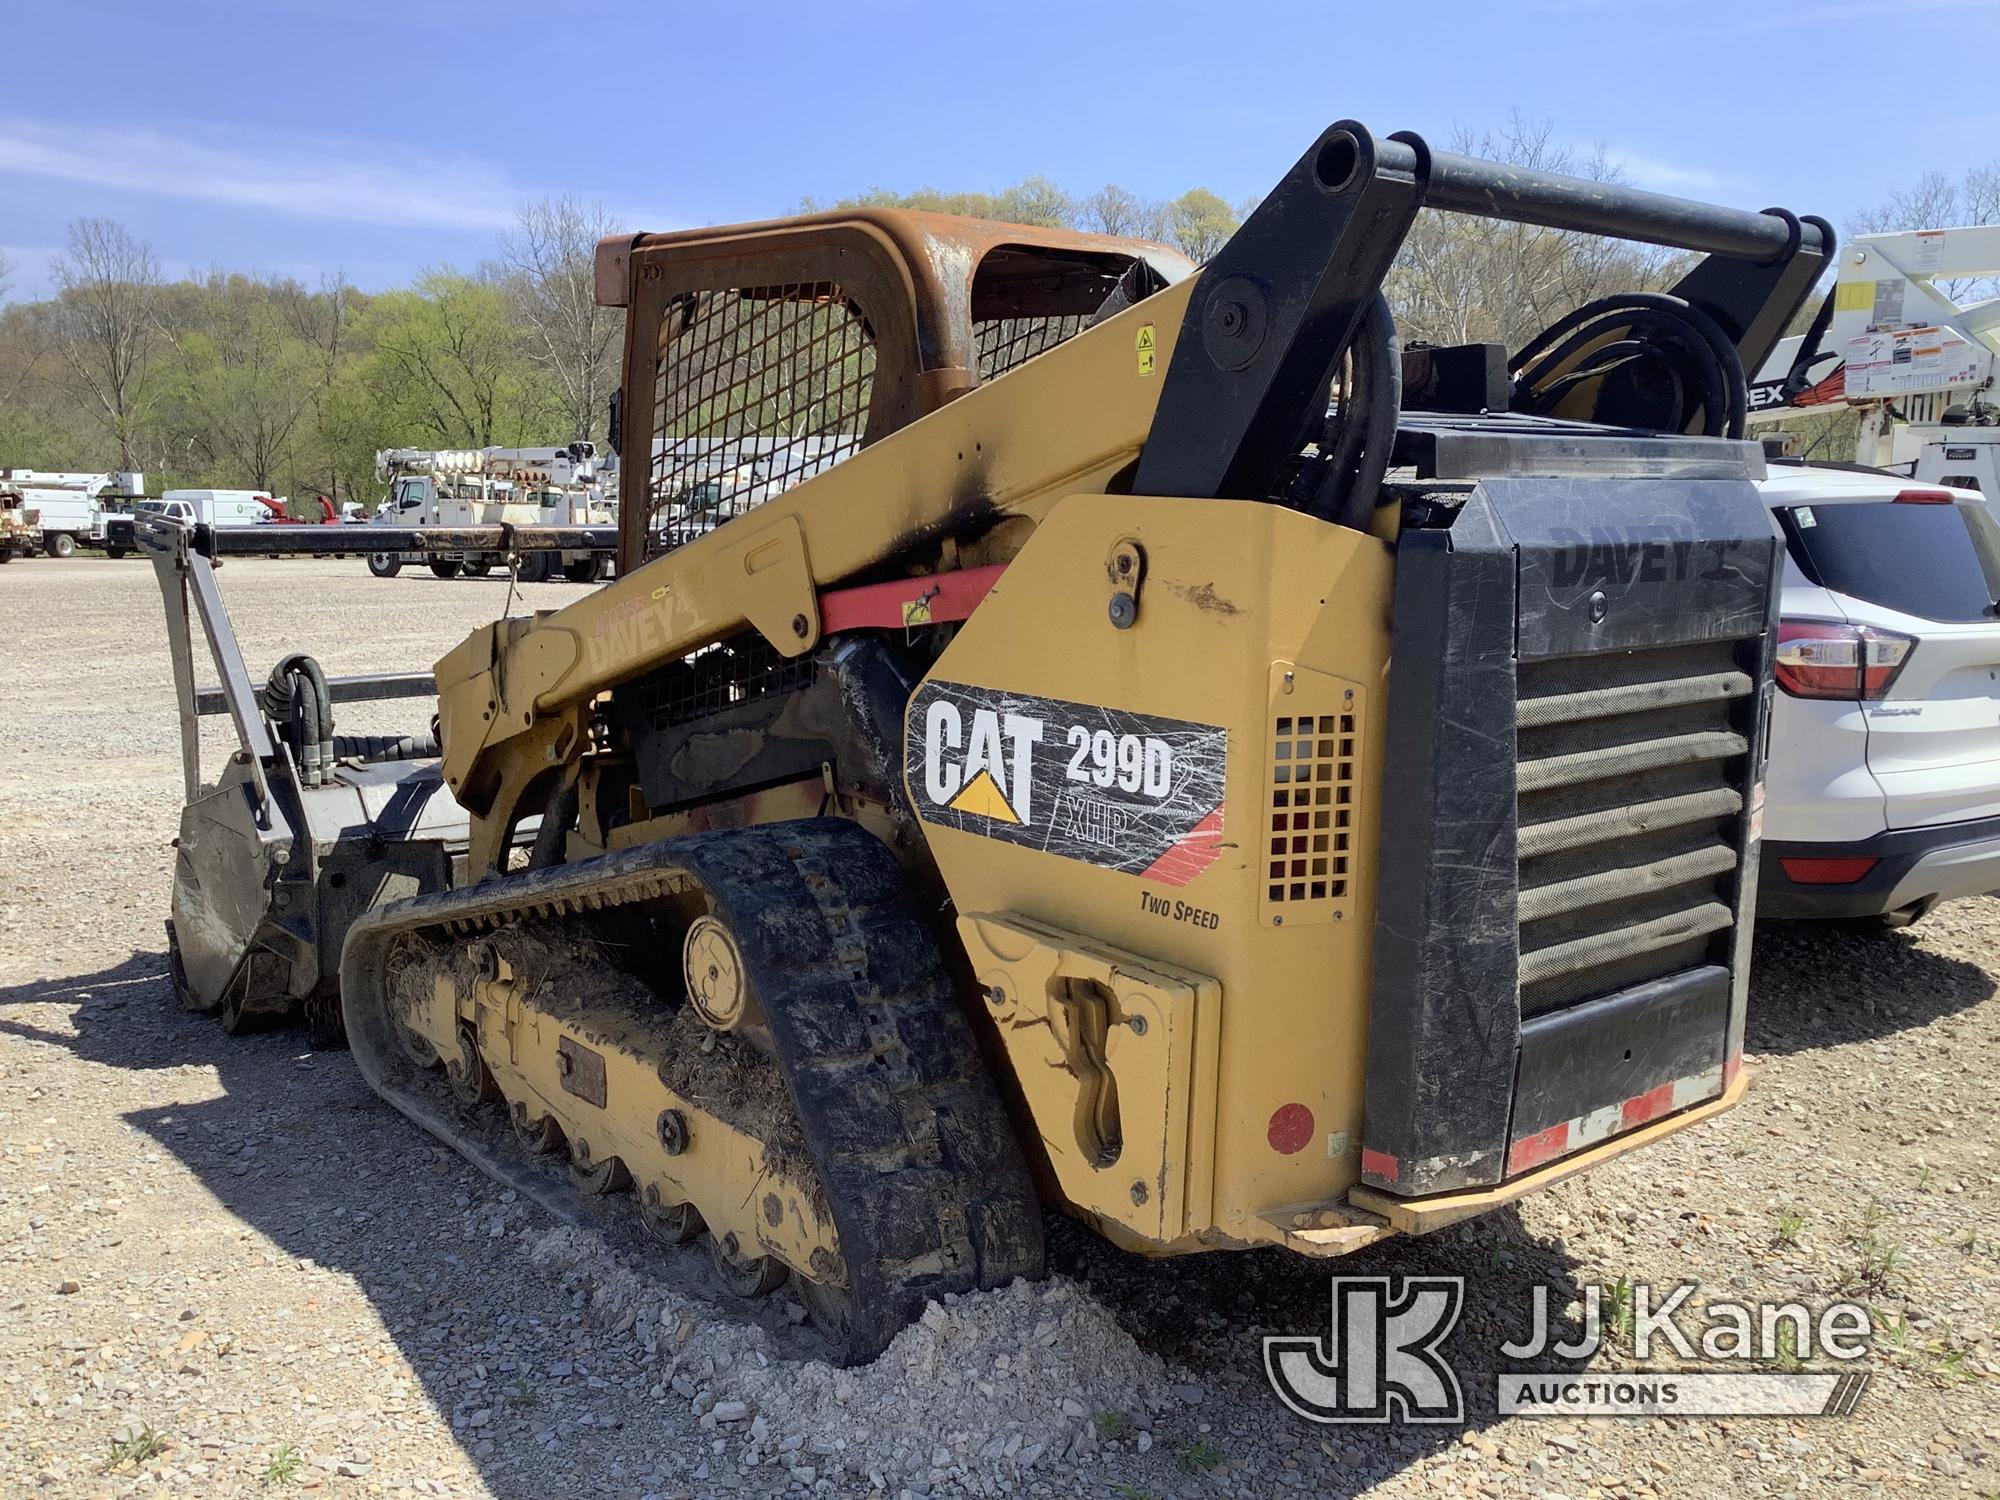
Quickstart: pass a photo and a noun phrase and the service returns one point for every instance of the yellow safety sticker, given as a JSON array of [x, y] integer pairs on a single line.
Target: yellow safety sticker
[[1853, 296], [1146, 344], [917, 611]]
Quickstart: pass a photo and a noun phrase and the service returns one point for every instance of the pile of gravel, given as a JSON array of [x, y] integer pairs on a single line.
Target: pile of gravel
[[982, 1393]]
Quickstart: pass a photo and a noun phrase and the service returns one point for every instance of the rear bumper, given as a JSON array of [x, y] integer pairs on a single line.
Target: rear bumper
[[1422, 1215], [1939, 863]]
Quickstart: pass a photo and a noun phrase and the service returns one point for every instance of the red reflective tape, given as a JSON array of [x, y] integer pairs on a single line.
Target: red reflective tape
[[1380, 1164], [1188, 855], [1533, 1150], [938, 599], [1649, 1105]]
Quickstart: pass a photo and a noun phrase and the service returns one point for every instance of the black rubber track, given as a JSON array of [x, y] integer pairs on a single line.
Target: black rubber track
[[926, 1184]]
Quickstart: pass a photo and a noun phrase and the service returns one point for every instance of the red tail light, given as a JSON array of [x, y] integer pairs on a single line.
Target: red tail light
[[1855, 663], [1827, 871], [1925, 497]]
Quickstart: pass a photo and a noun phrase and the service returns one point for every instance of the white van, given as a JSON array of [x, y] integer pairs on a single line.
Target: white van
[[221, 508]]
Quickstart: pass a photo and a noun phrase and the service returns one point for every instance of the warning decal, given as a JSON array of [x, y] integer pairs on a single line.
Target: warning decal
[[1120, 790]]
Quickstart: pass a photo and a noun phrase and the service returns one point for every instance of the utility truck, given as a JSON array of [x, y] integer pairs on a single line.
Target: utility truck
[[1892, 342], [431, 487], [75, 507]]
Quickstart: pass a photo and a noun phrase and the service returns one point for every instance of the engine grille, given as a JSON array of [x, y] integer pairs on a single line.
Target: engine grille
[[1631, 782]]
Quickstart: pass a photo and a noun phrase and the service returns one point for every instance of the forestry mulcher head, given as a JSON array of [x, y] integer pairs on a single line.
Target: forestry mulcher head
[[1074, 730]]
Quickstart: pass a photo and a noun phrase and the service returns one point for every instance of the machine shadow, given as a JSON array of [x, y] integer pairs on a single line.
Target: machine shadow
[[297, 1147], [1815, 985], [300, 1149], [1211, 1313]]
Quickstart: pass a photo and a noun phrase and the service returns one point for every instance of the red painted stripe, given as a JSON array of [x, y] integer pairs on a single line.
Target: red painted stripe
[[1188, 855], [1649, 1105], [1731, 1065], [1380, 1164], [1543, 1146], [952, 596]]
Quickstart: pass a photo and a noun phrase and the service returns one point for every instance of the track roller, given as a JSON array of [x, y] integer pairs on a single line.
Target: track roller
[[745, 1275], [753, 1024], [595, 1177]]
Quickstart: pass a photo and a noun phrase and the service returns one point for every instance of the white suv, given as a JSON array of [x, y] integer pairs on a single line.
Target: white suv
[[1883, 794]]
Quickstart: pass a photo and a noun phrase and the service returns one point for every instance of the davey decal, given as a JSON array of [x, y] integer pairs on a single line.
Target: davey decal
[[1124, 791]]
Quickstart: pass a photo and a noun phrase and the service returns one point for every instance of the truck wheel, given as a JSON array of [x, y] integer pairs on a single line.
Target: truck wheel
[[384, 564], [581, 572], [446, 569], [114, 553], [536, 567], [62, 545], [478, 569], [6, 554]]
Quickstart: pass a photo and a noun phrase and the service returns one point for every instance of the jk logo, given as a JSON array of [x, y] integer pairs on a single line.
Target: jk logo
[[1379, 1360]]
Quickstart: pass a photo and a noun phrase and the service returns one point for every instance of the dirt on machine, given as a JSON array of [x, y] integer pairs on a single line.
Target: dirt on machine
[[1070, 731]]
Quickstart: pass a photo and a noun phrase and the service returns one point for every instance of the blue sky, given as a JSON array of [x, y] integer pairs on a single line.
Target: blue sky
[[375, 137]]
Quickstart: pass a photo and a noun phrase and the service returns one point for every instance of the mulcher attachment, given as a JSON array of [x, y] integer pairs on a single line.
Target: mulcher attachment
[[909, 1165]]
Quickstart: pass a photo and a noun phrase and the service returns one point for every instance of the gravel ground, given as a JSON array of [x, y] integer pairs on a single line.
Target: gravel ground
[[226, 1268]]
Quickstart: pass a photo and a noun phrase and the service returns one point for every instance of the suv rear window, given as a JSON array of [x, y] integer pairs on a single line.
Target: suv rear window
[[1937, 562]]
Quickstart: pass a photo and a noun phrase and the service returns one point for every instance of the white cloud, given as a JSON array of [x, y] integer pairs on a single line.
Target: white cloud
[[308, 177], [1663, 176], [1854, 10]]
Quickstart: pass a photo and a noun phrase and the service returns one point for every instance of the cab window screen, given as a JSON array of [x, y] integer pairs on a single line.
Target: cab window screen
[[1937, 562]]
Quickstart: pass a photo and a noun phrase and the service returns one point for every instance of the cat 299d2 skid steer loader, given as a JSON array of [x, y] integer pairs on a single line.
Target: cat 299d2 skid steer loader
[[1073, 729]]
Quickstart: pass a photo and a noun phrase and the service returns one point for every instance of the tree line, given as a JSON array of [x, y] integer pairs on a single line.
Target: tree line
[[234, 379], [237, 380]]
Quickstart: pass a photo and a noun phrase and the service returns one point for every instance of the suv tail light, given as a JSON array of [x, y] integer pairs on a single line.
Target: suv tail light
[[1925, 497], [1855, 663]]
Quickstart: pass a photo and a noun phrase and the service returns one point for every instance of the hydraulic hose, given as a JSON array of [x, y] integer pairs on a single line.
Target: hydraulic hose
[[1361, 434], [297, 696], [1709, 366]]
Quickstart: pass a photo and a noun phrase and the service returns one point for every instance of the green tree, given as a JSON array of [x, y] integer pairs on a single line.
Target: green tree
[[243, 384], [1199, 224], [448, 365]]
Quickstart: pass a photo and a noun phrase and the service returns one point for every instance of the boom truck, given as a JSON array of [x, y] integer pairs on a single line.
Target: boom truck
[[1149, 744], [488, 487], [74, 508], [1890, 341]]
